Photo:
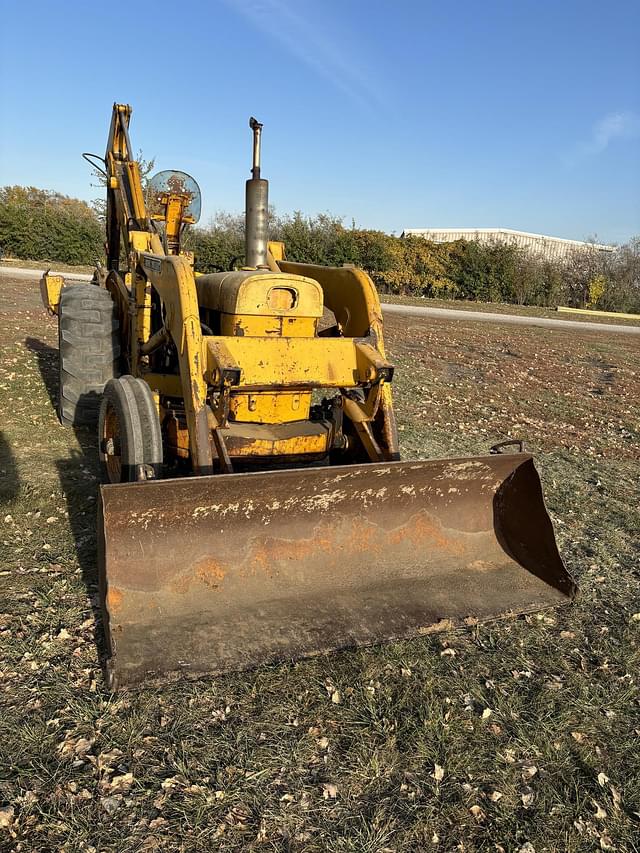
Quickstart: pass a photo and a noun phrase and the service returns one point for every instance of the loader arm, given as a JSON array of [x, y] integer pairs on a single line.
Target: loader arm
[[173, 279]]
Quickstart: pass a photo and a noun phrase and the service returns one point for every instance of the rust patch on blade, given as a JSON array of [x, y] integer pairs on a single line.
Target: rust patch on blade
[[328, 544], [210, 572], [265, 554], [421, 529], [481, 566], [115, 598]]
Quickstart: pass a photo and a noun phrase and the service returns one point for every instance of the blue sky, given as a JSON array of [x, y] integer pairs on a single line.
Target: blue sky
[[417, 114]]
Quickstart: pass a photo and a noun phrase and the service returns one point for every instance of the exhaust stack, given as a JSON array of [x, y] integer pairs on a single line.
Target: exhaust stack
[[256, 207]]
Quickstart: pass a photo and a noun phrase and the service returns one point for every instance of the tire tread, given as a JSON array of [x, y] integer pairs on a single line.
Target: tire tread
[[89, 348]]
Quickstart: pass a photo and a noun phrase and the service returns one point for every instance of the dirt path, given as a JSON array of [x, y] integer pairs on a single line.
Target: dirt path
[[509, 319]]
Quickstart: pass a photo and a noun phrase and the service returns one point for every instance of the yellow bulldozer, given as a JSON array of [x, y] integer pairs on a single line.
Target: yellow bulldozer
[[254, 506]]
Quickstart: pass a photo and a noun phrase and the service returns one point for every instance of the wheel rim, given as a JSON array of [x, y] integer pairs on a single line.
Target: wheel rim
[[110, 444]]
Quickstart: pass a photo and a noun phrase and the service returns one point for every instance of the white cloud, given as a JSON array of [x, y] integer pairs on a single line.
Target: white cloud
[[614, 126], [326, 53]]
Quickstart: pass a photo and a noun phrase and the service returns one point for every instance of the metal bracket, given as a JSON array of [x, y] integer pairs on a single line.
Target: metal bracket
[[514, 442]]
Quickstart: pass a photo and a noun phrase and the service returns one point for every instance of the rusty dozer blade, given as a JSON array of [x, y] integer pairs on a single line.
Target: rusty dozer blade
[[211, 574]]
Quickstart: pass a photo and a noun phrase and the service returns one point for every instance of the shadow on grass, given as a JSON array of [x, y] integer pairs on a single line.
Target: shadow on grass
[[47, 358], [9, 477], [79, 479]]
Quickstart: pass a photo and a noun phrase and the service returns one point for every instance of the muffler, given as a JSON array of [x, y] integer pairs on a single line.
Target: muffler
[[219, 573], [256, 207]]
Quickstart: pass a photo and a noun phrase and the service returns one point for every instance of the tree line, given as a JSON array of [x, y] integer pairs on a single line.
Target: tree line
[[45, 226]]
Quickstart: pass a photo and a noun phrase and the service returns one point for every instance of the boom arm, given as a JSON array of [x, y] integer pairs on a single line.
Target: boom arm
[[127, 217]]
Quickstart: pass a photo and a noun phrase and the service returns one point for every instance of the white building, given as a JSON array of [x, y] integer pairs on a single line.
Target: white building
[[551, 248]]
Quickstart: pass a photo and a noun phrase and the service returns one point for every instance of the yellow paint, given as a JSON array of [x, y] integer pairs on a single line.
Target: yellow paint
[[50, 288], [350, 294], [143, 309], [273, 362], [262, 326], [140, 241], [269, 408], [277, 440], [297, 445], [588, 312], [166, 384], [276, 249], [245, 292]]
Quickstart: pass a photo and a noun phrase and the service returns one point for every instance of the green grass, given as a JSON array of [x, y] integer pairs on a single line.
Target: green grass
[[534, 721]]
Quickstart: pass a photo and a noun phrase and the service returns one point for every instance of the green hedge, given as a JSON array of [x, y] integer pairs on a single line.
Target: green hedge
[[497, 272], [46, 226], [42, 225]]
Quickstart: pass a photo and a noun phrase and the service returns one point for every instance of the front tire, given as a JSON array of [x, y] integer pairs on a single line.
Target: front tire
[[129, 434]]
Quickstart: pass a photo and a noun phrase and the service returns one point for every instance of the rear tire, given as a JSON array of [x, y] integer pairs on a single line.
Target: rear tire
[[129, 434], [89, 347]]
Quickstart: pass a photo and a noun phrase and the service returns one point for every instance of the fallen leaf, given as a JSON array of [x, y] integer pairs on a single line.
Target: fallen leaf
[[527, 797], [486, 713], [449, 652], [121, 783], [110, 804], [107, 758], [527, 847], [75, 747], [83, 745], [323, 742], [602, 779], [600, 812], [335, 697], [578, 736], [615, 793], [606, 843], [329, 791], [529, 771], [238, 816], [63, 634], [438, 773], [477, 812], [495, 796], [159, 801], [28, 798], [6, 812]]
